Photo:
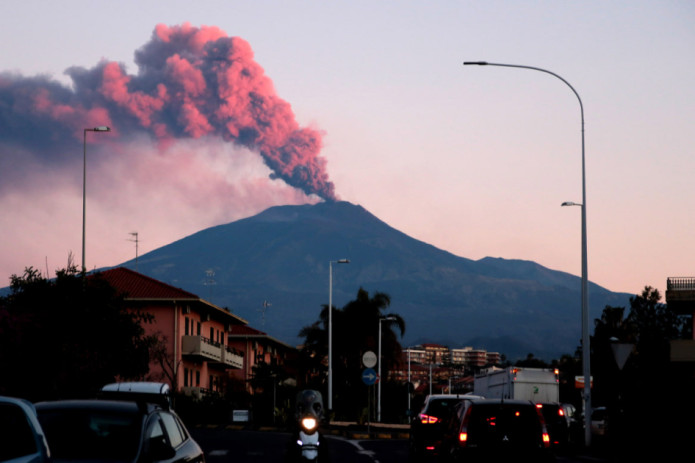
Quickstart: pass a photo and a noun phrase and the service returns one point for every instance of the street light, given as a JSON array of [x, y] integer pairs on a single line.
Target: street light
[[330, 328], [378, 401], [101, 128], [586, 351]]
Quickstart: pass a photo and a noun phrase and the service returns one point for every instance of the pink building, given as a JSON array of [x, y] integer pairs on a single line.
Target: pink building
[[195, 356]]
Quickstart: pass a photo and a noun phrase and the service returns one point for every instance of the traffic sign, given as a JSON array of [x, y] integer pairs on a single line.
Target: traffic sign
[[369, 376], [369, 359]]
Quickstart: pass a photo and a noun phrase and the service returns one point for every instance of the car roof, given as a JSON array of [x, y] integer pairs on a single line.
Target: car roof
[[451, 396], [97, 404]]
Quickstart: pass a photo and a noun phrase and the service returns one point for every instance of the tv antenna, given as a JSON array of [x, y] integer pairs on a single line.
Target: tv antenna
[[135, 239], [210, 280], [266, 304]]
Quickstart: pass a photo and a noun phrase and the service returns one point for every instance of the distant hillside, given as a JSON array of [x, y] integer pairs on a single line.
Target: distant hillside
[[282, 256]]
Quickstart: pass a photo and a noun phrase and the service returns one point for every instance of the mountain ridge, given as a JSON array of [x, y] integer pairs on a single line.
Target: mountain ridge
[[282, 256]]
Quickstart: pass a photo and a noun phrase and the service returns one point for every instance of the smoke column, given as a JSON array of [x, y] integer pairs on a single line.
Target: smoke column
[[191, 83]]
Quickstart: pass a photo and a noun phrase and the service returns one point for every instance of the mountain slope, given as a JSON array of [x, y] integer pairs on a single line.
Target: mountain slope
[[282, 256]]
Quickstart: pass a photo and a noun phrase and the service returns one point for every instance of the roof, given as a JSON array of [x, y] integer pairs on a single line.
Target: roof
[[245, 331], [138, 286]]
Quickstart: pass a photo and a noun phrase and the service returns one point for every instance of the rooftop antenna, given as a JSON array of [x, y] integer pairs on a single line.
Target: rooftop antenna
[[210, 280], [135, 239], [266, 304]]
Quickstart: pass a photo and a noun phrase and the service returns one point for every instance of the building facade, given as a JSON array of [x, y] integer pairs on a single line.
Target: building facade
[[194, 355]]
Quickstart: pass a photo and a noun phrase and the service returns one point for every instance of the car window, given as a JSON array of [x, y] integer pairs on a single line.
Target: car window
[[174, 431], [83, 433], [16, 434], [441, 407]]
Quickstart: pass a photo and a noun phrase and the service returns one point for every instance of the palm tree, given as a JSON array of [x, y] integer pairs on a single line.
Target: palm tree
[[355, 331]]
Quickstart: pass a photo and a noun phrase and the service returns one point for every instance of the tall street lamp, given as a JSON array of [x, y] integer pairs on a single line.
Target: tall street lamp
[[101, 128], [330, 328], [378, 402], [586, 351]]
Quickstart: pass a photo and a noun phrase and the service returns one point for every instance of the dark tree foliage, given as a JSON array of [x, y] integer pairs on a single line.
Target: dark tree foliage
[[355, 331], [67, 337], [646, 331]]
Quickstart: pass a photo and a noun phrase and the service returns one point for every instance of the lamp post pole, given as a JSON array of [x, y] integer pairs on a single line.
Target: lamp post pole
[[330, 328], [84, 187], [378, 402], [586, 350]]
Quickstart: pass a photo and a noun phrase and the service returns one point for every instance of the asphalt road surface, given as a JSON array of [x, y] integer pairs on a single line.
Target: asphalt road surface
[[224, 445]]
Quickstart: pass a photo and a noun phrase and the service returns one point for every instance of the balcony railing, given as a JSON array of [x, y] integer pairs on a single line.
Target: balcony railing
[[232, 358], [680, 284], [202, 347], [213, 352]]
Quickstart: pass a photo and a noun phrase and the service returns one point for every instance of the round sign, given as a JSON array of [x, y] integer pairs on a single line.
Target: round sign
[[369, 376], [369, 359]]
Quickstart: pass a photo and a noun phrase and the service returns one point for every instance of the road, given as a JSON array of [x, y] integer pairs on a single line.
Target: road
[[226, 446]]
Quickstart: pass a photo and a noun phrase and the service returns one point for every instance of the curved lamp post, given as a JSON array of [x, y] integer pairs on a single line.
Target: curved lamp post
[[586, 351], [102, 128], [330, 328]]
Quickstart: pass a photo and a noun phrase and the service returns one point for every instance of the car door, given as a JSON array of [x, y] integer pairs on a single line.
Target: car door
[[22, 437]]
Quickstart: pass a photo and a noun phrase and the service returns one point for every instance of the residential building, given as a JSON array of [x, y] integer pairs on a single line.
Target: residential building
[[258, 348], [194, 356]]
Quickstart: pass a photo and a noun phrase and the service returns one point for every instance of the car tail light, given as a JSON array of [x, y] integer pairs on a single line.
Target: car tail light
[[427, 419], [546, 439], [463, 432]]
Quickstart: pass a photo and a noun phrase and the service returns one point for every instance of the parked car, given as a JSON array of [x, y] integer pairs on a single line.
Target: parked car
[[426, 428], [21, 436], [496, 430], [561, 423], [134, 424]]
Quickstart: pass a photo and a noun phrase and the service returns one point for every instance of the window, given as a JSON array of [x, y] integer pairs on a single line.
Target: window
[[17, 434], [198, 328], [176, 436], [197, 378], [187, 322]]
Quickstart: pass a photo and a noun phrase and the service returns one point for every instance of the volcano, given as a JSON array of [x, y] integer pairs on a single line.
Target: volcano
[[272, 269]]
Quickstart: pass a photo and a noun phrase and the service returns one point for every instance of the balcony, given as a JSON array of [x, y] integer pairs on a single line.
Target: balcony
[[680, 295], [203, 348], [232, 358]]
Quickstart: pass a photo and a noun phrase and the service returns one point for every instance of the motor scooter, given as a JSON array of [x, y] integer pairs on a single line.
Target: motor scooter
[[308, 445]]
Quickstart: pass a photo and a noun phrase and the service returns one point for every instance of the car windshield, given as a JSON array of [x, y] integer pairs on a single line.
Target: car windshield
[[89, 434], [504, 425], [440, 407]]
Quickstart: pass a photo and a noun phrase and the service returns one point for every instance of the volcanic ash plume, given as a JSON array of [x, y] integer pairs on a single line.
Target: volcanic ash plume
[[192, 82]]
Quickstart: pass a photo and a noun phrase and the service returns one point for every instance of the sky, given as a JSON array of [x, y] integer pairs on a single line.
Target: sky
[[221, 109]]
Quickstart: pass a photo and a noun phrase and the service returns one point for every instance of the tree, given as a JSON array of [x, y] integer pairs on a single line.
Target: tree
[[355, 331], [650, 327], [67, 337]]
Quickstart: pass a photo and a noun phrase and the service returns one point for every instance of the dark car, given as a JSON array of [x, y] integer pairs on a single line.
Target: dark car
[[561, 423], [426, 429], [496, 430], [21, 436], [115, 431]]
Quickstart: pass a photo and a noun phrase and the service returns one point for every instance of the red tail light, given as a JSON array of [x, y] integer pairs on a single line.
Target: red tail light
[[463, 437], [546, 439], [427, 419]]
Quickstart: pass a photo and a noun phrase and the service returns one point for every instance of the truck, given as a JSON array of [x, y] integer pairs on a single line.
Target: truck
[[535, 384]]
